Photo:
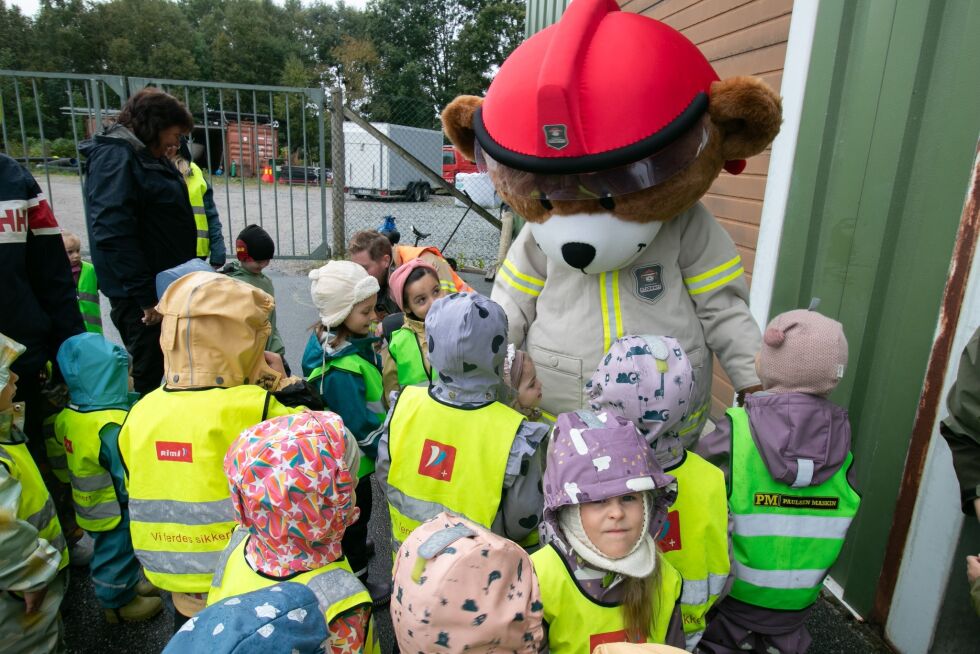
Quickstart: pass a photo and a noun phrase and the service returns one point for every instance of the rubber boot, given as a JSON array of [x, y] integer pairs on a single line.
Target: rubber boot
[[145, 588], [140, 609]]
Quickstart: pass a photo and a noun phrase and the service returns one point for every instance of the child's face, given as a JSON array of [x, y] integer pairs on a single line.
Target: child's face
[[361, 316], [529, 388], [255, 267], [420, 294], [614, 525], [8, 392], [74, 250]]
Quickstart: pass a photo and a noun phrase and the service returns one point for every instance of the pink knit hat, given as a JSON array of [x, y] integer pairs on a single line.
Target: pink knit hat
[[396, 280], [802, 352]]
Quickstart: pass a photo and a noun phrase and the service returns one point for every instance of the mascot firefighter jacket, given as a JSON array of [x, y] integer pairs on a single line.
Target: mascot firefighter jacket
[[689, 283]]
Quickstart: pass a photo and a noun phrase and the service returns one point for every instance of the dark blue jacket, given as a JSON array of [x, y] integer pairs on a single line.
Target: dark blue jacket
[[139, 216]]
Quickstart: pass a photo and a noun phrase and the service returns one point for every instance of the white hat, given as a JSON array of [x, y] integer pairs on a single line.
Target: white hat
[[337, 287]]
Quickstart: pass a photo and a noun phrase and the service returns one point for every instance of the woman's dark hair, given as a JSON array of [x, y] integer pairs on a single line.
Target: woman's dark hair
[[151, 111], [413, 277]]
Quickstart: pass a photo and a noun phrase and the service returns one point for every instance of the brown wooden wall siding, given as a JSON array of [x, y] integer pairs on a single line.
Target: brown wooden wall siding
[[739, 37]]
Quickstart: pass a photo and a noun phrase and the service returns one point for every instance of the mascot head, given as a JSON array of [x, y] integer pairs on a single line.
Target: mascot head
[[601, 127]]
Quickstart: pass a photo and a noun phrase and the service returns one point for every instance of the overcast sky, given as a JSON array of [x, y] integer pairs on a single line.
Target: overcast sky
[[30, 7]]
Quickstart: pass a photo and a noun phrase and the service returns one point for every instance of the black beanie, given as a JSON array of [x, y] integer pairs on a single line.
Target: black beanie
[[254, 243]]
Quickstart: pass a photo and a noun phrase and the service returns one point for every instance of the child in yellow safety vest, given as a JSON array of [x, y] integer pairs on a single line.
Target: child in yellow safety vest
[[603, 579], [649, 381], [292, 480], [33, 551], [340, 362], [452, 445], [414, 286], [97, 374], [787, 459], [86, 283]]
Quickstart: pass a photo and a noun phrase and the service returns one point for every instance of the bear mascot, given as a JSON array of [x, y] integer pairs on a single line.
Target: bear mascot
[[603, 131]]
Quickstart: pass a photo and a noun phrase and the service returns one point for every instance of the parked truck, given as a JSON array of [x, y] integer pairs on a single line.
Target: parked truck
[[376, 171], [453, 163]]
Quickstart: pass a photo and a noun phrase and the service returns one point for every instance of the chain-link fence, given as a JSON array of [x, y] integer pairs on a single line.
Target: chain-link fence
[[382, 183]]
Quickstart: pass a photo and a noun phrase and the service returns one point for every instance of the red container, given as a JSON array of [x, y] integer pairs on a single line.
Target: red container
[[250, 146]]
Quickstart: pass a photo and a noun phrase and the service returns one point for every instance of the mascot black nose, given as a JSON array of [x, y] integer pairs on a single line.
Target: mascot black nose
[[578, 255]]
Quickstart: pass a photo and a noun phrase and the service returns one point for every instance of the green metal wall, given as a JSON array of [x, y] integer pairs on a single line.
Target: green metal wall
[[889, 128], [541, 13]]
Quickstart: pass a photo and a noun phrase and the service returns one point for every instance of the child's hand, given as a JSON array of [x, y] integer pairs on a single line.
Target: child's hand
[[34, 598], [275, 362], [972, 568]]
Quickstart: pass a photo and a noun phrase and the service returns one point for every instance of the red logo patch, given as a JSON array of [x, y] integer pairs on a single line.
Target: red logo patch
[[171, 451], [609, 637], [672, 539], [437, 460], [69, 447]]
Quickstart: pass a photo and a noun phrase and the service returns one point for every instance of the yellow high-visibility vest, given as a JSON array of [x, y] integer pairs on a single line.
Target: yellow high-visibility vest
[[96, 505], [173, 445], [88, 298], [577, 624], [445, 458], [36, 506], [196, 188]]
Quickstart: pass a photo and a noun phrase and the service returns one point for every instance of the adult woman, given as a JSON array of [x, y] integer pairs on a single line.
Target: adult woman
[[139, 219]]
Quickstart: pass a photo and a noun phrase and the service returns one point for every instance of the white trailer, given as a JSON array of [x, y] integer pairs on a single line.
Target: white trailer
[[375, 171]]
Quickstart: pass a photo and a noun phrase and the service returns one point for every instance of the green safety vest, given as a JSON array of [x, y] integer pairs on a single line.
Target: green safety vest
[[55, 451], [196, 188], [444, 458], [373, 391], [404, 349], [577, 624], [36, 506], [698, 520], [88, 298], [785, 539], [335, 586], [173, 445], [96, 504]]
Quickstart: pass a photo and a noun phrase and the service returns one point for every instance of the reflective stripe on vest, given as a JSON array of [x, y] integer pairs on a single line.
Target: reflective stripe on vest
[[54, 449], [785, 539], [92, 491], [88, 298], [35, 505], [335, 586], [373, 391], [439, 454], [612, 313], [196, 188], [404, 349], [173, 444], [577, 623], [699, 521]]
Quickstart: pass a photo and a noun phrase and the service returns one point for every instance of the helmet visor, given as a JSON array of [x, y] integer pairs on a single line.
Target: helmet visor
[[622, 180]]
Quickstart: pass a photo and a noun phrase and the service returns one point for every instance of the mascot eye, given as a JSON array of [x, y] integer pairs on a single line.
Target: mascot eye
[[546, 203], [607, 203]]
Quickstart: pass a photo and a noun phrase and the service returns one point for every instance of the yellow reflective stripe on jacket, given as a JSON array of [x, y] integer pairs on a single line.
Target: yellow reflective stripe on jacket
[[576, 622], [716, 277], [36, 506], [694, 421], [612, 313], [519, 281]]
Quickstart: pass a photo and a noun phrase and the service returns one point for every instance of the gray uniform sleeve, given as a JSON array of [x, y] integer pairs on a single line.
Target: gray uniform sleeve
[[715, 280], [518, 284]]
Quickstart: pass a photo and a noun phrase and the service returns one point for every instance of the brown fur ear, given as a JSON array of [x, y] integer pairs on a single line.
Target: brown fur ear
[[747, 112], [457, 123]]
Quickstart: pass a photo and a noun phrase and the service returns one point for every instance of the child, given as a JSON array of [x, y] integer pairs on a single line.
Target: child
[[254, 249], [789, 446], [602, 577], [339, 361], [86, 283], [97, 374], [452, 444], [462, 588], [174, 440], [414, 286], [522, 378], [292, 484], [33, 551], [649, 380]]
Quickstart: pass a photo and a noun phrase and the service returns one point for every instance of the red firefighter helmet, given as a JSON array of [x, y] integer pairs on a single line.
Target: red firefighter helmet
[[599, 90]]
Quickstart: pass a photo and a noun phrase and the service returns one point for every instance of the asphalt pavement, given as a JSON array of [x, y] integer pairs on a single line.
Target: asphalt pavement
[[833, 628]]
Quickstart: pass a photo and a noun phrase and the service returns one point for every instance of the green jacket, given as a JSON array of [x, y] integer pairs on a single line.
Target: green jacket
[[961, 428], [234, 269]]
